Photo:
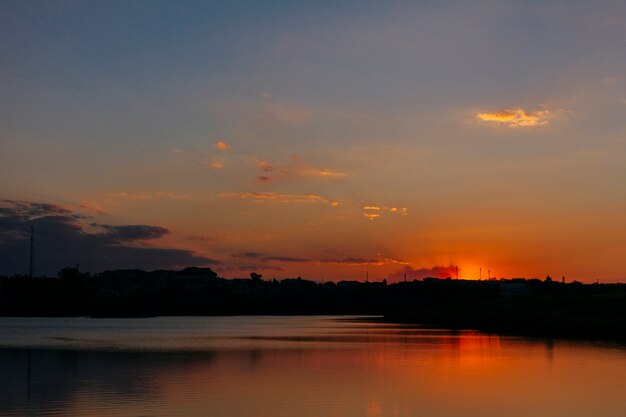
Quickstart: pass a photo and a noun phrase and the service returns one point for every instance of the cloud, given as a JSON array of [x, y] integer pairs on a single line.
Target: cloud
[[199, 238], [222, 146], [61, 240], [347, 260], [148, 195], [249, 255], [131, 233], [353, 261], [517, 117], [25, 208], [286, 259], [248, 268], [93, 208], [280, 198], [296, 168], [381, 260], [264, 165], [373, 212], [267, 258], [434, 272], [322, 173], [217, 165]]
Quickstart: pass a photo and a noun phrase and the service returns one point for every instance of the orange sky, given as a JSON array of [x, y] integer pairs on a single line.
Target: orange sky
[[326, 142]]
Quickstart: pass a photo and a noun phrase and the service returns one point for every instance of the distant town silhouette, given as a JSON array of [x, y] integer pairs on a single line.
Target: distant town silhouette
[[546, 308]]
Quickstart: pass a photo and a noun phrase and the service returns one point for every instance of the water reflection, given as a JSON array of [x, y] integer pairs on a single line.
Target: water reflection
[[309, 367]]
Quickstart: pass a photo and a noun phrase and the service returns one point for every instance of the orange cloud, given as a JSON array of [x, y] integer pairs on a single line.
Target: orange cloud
[[280, 198], [148, 195], [323, 173], [93, 208], [222, 146], [217, 165], [373, 212], [517, 117]]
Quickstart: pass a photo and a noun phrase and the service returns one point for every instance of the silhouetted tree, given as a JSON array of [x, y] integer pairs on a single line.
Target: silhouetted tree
[[70, 275]]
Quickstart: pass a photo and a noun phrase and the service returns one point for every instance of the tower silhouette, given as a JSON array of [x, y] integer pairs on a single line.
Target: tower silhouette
[[31, 264]]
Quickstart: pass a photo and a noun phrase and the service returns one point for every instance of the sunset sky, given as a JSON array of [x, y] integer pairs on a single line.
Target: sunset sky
[[321, 139]]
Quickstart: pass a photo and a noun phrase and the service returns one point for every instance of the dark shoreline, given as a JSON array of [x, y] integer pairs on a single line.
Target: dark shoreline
[[531, 308]]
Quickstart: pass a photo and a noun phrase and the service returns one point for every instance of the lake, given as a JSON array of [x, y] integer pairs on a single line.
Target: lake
[[297, 366]]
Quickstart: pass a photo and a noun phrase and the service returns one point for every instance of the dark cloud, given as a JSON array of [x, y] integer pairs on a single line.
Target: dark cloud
[[134, 232], [260, 257], [25, 208], [61, 240], [266, 258], [247, 255], [200, 238], [434, 272], [286, 259], [248, 268], [352, 261]]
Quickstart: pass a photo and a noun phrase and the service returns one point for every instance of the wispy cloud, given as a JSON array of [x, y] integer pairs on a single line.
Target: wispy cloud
[[148, 195], [217, 165], [200, 238], [135, 232], [373, 212], [322, 173], [296, 167], [517, 117], [346, 260], [92, 207], [272, 197], [264, 165], [364, 261]]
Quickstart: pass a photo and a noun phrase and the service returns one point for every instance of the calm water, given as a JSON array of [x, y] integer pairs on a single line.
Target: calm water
[[296, 366]]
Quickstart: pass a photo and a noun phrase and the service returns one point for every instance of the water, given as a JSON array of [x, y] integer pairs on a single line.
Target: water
[[296, 366]]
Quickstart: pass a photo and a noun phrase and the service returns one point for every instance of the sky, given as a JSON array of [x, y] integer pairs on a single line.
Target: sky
[[328, 140]]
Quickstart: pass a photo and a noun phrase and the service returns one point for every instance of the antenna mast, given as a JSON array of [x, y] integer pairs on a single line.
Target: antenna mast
[[32, 252]]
